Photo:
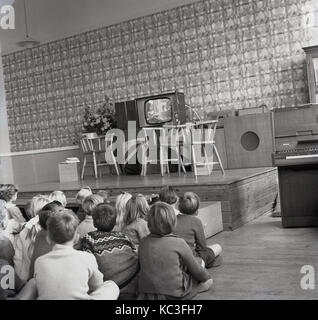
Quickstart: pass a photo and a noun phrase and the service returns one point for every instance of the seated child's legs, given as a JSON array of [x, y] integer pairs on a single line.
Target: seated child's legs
[[216, 248], [205, 286], [212, 256], [108, 291]]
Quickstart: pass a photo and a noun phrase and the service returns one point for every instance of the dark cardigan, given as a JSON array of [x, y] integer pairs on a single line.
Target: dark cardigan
[[168, 267]]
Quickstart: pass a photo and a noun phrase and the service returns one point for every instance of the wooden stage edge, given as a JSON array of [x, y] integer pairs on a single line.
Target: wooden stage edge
[[244, 194]]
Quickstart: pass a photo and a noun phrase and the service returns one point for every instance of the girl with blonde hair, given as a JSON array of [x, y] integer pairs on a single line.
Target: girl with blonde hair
[[24, 242], [120, 206], [134, 222], [58, 196]]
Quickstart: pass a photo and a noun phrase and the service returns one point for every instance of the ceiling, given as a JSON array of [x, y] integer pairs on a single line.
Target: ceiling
[[51, 20]]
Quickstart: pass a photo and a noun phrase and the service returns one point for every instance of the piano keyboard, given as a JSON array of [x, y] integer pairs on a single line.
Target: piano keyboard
[[296, 156]]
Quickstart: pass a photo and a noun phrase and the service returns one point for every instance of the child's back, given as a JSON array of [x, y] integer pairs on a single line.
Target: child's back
[[41, 247], [164, 273], [136, 230], [115, 254], [15, 213], [190, 228], [168, 269], [66, 274]]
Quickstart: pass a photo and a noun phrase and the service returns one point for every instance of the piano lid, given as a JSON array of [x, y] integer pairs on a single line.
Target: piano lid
[[298, 121]]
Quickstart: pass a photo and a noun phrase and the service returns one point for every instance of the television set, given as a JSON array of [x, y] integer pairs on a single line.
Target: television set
[[157, 110]]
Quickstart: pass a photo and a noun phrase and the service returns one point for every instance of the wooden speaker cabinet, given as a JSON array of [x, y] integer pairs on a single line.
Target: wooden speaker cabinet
[[249, 141], [298, 187]]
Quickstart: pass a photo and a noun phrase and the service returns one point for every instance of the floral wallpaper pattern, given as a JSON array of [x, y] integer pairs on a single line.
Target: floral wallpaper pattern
[[222, 54]]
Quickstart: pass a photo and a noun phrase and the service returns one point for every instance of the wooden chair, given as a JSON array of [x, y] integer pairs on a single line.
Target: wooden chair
[[95, 147], [167, 140], [171, 140], [203, 139], [149, 140]]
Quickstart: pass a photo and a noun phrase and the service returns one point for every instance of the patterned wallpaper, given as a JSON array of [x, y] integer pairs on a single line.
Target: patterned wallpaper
[[222, 54]]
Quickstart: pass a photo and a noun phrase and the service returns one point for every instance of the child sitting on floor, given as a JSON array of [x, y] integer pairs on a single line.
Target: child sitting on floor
[[6, 260], [6, 248], [169, 195], [168, 269], [135, 224], [116, 255], [41, 244], [120, 206], [190, 228], [58, 196], [24, 243], [87, 225], [80, 197], [9, 193], [66, 273]]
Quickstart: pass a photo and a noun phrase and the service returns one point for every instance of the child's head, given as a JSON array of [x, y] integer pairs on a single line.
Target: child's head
[[37, 203], [47, 211], [53, 206], [62, 227], [137, 207], [189, 203], [44, 215], [58, 196], [8, 192], [120, 206], [104, 194], [168, 195], [91, 202], [161, 219], [82, 194], [104, 217]]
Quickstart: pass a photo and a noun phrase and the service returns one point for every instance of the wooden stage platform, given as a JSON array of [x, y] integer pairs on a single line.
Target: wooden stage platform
[[244, 193]]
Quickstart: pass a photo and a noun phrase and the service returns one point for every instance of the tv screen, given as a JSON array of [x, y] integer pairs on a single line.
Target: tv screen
[[158, 110]]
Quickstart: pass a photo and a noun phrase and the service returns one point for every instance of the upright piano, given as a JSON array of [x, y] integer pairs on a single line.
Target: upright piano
[[296, 156]]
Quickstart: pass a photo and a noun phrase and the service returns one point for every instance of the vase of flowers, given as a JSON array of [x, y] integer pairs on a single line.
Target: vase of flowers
[[99, 120]]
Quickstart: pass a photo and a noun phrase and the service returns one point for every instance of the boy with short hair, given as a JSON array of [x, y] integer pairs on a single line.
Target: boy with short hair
[[68, 274], [168, 195], [41, 244], [190, 228]]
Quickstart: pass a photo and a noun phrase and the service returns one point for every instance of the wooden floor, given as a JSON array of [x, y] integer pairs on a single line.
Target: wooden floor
[[263, 261]]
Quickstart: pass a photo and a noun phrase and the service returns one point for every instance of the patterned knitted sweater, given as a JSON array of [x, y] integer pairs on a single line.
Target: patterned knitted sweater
[[116, 255]]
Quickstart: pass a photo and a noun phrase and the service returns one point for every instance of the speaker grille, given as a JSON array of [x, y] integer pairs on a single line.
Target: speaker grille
[[250, 141]]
